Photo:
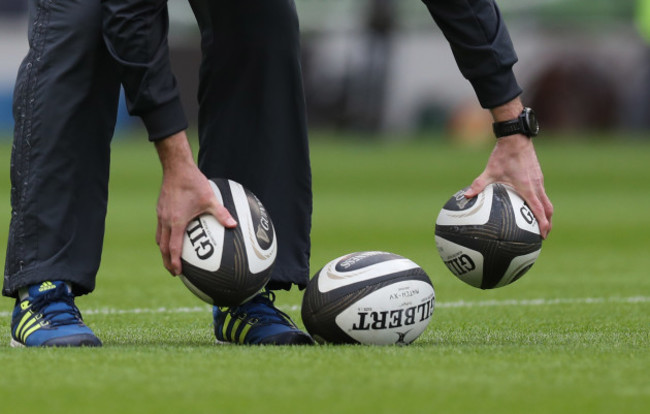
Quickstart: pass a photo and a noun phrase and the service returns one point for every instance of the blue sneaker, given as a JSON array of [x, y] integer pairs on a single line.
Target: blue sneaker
[[257, 322], [45, 315]]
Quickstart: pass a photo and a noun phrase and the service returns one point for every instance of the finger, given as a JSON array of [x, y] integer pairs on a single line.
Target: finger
[[164, 248], [158, 232], [224, 217], [478, 185], [537, 208], [175, 249], [548, 212]]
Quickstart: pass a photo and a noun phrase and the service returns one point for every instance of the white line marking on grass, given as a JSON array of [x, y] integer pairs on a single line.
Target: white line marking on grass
[[452, 305], [136, 311], [542, 302]]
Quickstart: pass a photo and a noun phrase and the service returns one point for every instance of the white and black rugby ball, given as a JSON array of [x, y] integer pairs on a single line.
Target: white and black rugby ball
[[488, 241], [227, 266], [374, 298]]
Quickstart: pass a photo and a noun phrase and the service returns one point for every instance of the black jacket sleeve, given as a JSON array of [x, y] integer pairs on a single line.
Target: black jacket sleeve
[[135, 33], [481, 46]]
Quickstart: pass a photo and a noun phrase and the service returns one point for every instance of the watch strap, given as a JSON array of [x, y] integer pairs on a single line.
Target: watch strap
[[505, 128]]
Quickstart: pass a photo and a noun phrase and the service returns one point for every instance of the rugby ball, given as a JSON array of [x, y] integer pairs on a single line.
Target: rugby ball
[[227, 266], [488, 241], [372, 297]]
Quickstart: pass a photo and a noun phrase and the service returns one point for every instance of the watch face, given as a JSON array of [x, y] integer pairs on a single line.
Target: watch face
[[531, 120]]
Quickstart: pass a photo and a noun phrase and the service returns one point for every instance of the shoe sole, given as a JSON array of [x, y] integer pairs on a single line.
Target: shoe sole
[[296, 339], [85, 343], [289, 339], [16, 344]]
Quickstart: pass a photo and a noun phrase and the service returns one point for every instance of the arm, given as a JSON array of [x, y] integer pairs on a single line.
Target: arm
[[135, 32], [481, 46], [485, 55]]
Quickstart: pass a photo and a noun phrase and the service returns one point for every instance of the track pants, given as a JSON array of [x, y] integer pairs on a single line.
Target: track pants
[[252, 130], [252, 125], [65, 104]]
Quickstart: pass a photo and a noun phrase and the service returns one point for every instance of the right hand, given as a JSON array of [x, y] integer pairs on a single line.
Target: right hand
[[184, 195], [514, 162]]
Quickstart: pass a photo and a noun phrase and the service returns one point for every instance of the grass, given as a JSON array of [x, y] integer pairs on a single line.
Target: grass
[[569, 337]]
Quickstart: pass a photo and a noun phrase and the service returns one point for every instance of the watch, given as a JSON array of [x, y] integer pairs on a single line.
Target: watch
[[525, 123]]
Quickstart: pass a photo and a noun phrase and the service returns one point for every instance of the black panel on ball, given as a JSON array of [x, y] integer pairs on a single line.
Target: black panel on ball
[[264, 232]]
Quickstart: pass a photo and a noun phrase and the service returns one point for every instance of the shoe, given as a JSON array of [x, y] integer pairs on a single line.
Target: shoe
[[45, 315], [257, 322]]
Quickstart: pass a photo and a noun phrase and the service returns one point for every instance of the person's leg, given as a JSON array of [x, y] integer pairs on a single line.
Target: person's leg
[[252, 122], [252, 129], [65, 105]]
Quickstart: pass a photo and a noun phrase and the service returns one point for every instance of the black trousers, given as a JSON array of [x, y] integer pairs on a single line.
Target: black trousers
[[252, 125], [252, 130]]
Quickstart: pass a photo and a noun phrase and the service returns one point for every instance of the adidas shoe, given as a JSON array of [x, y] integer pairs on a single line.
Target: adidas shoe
[[45, 315], [257, 322]]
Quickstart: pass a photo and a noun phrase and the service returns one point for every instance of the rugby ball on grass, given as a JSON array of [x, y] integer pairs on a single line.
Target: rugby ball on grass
[[488, 241], [223, 266], [372, 297]]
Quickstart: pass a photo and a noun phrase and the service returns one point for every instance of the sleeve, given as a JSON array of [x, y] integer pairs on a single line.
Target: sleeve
[[481, 46], [135, 33]]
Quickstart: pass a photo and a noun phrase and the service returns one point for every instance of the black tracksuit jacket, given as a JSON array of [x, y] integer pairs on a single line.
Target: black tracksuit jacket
[[135, 32]]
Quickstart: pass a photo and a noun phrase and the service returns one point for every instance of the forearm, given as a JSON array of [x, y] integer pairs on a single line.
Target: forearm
[[175, 153], [507, 111], [135, 33]]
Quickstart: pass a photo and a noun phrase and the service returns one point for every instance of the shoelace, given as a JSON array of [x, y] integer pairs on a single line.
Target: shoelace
[[54, 316], [265, 298]]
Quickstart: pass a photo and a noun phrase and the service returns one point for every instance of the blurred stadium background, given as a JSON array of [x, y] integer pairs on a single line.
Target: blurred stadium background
[[384, 66]]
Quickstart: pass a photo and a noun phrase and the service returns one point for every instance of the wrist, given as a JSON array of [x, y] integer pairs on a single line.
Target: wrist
[[524, 122], [174, 151], [514, 143], [507, 111]]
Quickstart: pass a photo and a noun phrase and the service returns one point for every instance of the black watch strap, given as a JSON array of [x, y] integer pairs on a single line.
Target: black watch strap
[[505, 128], [525, 123]]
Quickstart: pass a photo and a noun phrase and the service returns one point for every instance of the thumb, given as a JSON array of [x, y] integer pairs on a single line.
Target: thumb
[[224, 217], [477, 186]]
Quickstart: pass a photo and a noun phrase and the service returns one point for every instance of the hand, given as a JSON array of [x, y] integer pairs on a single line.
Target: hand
[[514, 162], [185, 194]]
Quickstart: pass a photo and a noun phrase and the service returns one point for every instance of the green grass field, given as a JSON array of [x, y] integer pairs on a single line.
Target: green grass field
[[572, 336]]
